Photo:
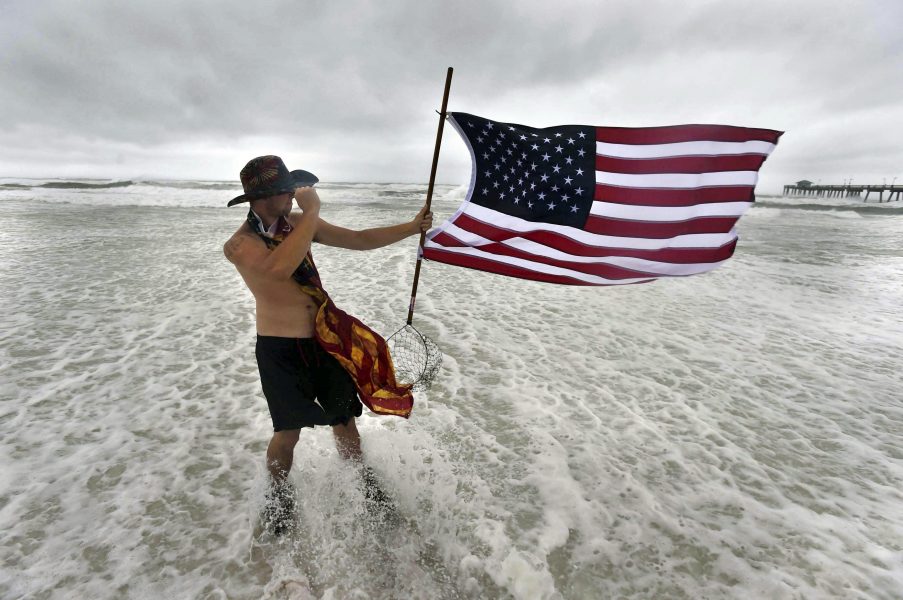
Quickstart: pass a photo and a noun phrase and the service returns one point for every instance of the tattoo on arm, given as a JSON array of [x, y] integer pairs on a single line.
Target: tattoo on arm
[[232, 246]]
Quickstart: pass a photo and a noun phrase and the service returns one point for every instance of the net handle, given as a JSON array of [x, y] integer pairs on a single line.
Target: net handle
[[429, 191]]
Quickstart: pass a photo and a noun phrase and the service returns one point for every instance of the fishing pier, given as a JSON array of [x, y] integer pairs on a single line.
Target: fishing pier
[[807, 188]]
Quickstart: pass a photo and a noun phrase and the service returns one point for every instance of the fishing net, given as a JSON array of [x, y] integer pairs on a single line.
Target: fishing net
[[417, 358]]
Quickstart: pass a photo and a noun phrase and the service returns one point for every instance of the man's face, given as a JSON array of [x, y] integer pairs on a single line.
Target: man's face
[[279, 205], [286, 203]]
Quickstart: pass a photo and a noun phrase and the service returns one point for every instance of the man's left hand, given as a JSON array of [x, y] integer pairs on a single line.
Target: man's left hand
[[423, 221]]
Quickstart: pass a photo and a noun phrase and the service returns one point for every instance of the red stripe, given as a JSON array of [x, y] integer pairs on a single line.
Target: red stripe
[[658, 229], [446, 239], [684, 133], [571, 246], [680, 164], [667, 197], [501, 268]]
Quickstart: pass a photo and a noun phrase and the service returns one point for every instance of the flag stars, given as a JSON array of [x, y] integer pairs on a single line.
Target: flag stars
[[519, 169]]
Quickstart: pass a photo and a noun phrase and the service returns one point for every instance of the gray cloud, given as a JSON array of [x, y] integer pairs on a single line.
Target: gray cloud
[[348, 88]]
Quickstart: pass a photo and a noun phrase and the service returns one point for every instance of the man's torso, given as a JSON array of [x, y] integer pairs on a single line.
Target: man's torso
[[283, 310]]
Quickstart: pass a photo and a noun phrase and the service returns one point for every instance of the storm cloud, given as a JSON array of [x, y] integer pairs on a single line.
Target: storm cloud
[[349, 89]]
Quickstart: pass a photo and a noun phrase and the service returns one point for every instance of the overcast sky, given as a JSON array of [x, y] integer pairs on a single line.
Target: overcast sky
[[348, 89]]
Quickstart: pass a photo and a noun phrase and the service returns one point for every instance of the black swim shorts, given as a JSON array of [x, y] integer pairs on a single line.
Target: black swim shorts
[[303, 384]]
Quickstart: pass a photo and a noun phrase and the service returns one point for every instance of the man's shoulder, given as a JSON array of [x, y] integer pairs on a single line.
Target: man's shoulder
[[238, 241]]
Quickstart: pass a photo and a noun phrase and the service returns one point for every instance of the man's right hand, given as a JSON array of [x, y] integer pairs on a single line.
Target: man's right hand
[[307, 199]]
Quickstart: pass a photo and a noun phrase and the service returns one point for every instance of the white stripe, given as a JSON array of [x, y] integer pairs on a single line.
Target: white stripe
[[626, 262], [468, 238], [678, 180], [683, 149], [517, 225], [668, 213]]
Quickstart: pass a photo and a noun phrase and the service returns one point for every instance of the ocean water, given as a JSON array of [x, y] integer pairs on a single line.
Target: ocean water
[[732, 435]]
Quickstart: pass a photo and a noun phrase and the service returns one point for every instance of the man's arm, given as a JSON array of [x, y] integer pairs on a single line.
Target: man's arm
[[377, 237], [282, 261]]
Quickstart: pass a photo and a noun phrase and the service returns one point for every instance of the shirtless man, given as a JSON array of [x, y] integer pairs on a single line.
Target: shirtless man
[[303, 384]]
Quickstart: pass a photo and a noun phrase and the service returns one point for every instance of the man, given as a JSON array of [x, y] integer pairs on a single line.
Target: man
[[305, 376]]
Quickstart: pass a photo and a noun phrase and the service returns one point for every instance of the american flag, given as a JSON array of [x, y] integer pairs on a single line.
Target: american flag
[[582, 205]]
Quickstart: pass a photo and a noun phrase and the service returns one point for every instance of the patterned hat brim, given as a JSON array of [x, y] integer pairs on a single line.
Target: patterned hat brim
[[298, 179]]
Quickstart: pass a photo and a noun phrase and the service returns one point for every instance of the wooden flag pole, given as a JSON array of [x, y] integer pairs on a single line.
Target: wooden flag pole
[[429, 191]]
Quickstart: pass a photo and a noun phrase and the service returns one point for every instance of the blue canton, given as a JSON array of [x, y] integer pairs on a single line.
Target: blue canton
[[545, 175]]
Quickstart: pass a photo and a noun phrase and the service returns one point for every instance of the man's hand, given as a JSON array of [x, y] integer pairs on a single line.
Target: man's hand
[[307, 199], [422, 222]]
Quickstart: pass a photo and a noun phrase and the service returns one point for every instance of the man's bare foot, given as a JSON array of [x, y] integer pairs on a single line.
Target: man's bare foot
[[378, 502]]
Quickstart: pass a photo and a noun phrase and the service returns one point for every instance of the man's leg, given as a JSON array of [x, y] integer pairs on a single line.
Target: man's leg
[[348, 443], [348, 440], [280, 453]]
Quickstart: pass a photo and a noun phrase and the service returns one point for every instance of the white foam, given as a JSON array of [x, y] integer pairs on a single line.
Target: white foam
[[730, 435]]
